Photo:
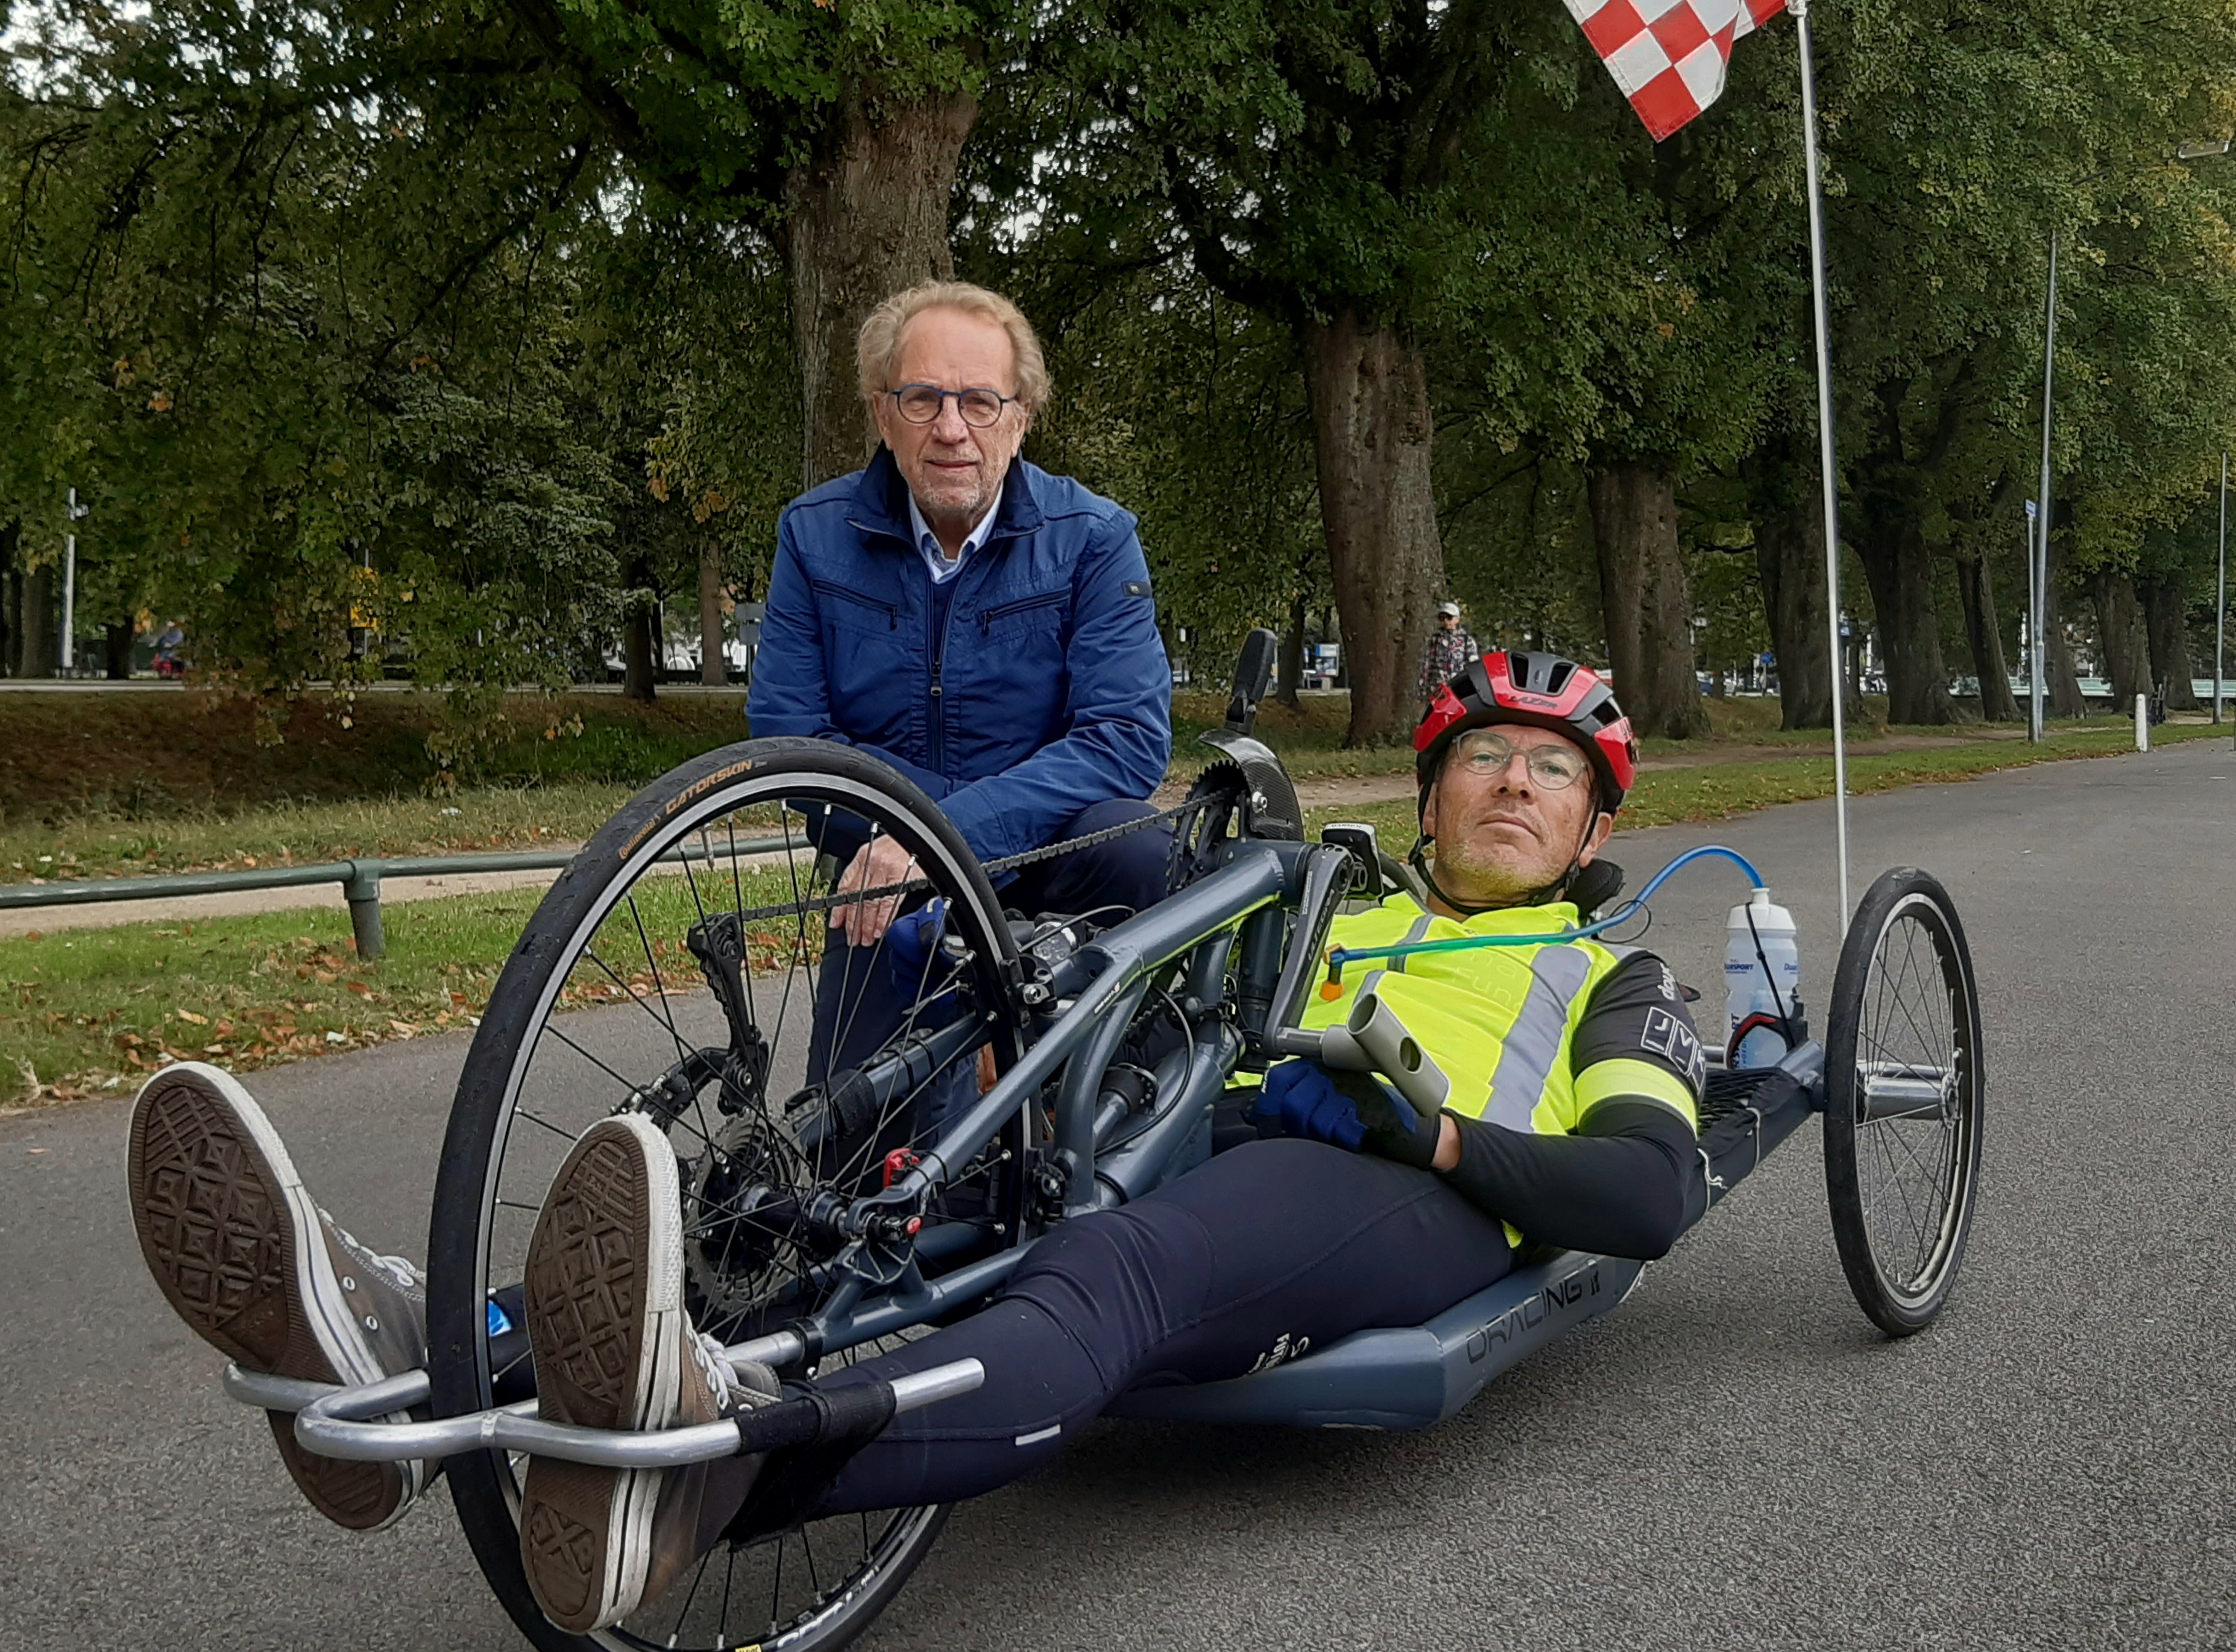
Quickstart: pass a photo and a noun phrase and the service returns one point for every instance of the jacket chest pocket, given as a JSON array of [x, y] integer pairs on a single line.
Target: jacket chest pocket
[[851, 609], [1044, 612]]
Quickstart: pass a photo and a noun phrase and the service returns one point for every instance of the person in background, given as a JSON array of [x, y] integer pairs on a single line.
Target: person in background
[[1450, 649]]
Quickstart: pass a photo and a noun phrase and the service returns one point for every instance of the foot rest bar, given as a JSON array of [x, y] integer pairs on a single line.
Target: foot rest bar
[[330, 1421]]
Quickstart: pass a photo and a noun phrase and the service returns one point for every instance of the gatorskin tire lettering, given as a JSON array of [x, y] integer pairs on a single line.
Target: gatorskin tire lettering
[[696, 789]]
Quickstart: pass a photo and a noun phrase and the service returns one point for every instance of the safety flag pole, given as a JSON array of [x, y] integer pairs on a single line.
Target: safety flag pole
[[1826, 460]]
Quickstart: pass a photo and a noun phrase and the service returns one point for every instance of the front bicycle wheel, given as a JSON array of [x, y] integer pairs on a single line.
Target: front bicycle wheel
[[1904, 1084], [684, 967]]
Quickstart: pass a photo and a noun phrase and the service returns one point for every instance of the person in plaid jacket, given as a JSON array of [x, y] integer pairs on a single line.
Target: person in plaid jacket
[[1451, 650]]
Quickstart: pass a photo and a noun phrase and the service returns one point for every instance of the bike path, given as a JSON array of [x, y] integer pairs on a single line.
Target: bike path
[[1733, 1459]]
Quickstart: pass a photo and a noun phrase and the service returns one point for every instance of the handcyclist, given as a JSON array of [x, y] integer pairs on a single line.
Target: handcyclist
[[1574, 1074], [984, 626]]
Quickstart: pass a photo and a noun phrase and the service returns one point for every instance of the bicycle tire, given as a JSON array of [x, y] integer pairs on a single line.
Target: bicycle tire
[[1905, 1086], [524, 1006]]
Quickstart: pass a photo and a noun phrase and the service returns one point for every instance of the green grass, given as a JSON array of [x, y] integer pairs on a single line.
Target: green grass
[[88, 1009], [98, 845]]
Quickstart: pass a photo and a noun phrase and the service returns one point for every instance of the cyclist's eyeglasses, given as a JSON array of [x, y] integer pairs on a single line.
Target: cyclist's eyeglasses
[[921, 404], [1554, 767]]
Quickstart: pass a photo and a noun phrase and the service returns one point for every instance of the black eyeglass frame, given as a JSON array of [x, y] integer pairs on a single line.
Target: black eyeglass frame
[[1003, 404]]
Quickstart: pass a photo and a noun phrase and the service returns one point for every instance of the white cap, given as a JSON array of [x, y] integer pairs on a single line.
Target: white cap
[[1451, 608]]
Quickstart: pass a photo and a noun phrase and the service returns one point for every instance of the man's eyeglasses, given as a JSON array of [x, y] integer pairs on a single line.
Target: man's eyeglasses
[[921, 404], [1554, 767]]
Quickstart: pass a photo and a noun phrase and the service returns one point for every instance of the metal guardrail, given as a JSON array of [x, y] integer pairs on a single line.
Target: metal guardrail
[[360, 879]]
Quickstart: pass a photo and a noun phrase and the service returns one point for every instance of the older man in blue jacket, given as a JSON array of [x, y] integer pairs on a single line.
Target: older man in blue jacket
[[984, 626]]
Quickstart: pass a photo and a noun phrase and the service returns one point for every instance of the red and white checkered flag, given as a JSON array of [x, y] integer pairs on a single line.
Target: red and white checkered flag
[[1669, 56]]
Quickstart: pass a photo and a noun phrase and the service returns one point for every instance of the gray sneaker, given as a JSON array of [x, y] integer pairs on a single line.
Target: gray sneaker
[[264, 1277], [615, 1348]]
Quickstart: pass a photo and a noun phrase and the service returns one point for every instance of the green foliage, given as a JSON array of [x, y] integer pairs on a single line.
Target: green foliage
[[388, 339]]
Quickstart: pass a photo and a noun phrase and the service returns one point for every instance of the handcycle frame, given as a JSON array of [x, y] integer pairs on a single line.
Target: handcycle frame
[[1263, 914]]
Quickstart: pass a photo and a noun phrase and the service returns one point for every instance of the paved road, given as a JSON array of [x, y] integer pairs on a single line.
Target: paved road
[[1735, 1459]]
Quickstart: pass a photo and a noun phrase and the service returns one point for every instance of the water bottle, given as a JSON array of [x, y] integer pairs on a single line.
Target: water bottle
[[1757, 1005]]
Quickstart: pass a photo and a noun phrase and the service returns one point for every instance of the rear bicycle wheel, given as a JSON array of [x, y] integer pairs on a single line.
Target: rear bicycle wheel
[[1904, 1085], [682, 966]]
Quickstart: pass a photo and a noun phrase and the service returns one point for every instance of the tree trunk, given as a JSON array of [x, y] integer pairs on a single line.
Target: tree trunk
[[866, 216], [116, 650], [1371, 426], [2166, 621], [38, 649], [11, 596], [713, 664], [1291, 666], [639, 672], [2061, 682], [1789, 553], [1898, 565], [1643, 596], [2127, 649], [1985, 633]]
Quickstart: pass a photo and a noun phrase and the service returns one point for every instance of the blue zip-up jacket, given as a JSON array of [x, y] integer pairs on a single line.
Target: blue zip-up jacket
[[1030, 686]]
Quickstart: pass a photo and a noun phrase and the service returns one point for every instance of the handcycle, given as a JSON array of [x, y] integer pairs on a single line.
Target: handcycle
[[683, 967]]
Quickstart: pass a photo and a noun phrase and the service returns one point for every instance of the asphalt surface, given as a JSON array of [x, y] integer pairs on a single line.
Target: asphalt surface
[[1735, 1458]]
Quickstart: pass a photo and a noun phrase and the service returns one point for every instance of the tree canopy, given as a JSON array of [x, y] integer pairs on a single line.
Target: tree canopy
[[381, 336]]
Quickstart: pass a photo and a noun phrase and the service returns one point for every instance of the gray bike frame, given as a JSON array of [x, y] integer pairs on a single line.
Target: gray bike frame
[[1105, 1155]]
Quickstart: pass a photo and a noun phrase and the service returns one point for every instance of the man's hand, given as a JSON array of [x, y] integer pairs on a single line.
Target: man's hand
[[1391, 1128], [878, 862], [1299, 1098], [1354, 1110]]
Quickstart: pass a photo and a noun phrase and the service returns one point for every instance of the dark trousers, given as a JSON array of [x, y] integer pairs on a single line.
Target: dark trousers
[[1260, 1255]]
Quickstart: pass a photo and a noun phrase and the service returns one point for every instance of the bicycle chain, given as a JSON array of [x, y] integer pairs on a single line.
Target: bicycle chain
[[1006, 864]]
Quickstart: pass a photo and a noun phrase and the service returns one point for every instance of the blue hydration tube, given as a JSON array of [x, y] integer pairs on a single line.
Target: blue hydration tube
[[1339, 956]]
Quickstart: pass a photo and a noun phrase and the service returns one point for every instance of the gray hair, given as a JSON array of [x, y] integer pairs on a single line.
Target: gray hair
[[877, 352]]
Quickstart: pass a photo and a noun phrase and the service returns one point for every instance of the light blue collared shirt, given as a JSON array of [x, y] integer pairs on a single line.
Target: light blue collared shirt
[[935, 556]]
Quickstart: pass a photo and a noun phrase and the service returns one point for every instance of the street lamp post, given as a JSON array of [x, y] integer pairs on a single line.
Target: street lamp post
[[2220, 594], [67, 652], [2038, 568]]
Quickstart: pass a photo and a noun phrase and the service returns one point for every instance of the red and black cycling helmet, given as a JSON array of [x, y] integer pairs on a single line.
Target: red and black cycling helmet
[[1545, 691]]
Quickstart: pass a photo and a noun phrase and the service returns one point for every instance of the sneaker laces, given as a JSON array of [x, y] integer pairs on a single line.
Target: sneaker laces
[[400, 1269], [722, 1381]]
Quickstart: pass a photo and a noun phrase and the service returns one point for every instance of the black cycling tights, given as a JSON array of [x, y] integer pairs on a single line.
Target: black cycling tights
[[1263, 1253]]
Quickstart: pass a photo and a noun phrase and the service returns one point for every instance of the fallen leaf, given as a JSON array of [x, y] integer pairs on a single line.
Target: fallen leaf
[[198, 1020], [359, 988]]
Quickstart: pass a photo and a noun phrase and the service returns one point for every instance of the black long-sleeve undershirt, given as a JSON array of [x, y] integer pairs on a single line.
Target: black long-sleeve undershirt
[[1621, 1185]]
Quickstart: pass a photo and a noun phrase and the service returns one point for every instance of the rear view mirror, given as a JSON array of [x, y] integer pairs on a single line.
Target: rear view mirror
[[1253, 671]]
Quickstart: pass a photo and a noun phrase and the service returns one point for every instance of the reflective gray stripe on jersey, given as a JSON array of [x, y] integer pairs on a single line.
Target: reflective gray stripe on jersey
[[1420, 928], [1557, 973]]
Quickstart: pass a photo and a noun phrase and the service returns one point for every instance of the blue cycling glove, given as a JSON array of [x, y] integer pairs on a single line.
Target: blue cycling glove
[[1355, 1111], [1299, 1098], [911, 941]]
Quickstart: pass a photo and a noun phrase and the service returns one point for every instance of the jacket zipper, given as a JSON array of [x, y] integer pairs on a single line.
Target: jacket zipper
[[1046, 600]]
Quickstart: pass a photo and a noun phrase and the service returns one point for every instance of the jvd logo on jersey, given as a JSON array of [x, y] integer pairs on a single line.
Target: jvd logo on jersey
[[1676, 1042]]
